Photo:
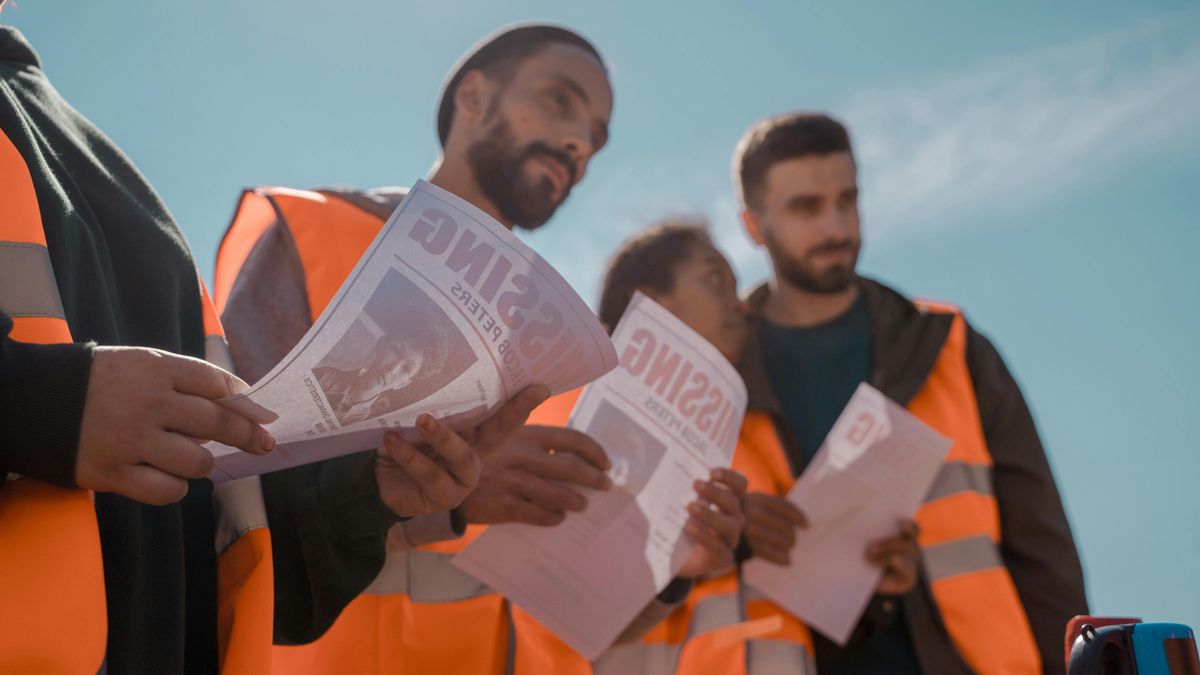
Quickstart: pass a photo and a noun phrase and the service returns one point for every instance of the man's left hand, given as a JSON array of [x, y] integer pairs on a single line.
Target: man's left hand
[[898, 556]]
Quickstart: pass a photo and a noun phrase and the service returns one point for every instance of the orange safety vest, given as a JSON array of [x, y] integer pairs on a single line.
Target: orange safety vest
[[959, 520], [719, 628], [710, 633], [245, 568], [51, 566], [53, 616], [421, 614], [725, 626]]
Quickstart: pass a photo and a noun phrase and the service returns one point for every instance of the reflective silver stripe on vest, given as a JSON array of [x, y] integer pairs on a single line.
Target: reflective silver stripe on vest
[[240, 508], [713, 612], [239, 504], [750, 593], [961, 556], [216, 352], [956, 477], [27, 285], [769, 657], [425, 576], [651, 658], [638, 658]]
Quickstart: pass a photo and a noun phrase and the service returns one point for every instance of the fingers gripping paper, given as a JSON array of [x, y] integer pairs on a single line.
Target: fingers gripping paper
[[668, 414], [874, 468], [447, 313]]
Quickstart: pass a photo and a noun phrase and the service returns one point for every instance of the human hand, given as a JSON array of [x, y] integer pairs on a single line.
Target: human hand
[[440, 474], [145, 416], [715, 524], [898, 556], [771, 523], [535, 478]]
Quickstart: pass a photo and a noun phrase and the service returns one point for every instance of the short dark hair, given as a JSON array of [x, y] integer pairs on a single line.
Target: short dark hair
[[499, 53], [648, 261], [780, 138]]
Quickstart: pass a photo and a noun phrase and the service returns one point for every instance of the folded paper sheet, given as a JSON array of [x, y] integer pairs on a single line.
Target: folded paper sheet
[[873, 470], [667, 415], [447, 313]]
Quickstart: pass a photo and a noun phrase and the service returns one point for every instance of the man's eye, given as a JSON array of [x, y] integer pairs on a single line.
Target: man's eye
[[561, 101]]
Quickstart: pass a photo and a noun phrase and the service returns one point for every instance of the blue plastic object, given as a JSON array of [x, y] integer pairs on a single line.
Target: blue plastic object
[[1156, 645]]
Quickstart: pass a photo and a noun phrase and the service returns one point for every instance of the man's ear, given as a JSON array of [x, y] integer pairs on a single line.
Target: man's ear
[[753, 227], [472, 96]]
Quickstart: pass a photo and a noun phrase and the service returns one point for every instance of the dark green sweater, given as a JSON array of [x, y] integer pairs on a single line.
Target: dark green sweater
[[813, 372], [126, 277]]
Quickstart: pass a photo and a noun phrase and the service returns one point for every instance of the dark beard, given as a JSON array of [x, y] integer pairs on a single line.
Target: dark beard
[[799, 272], [499, 171]]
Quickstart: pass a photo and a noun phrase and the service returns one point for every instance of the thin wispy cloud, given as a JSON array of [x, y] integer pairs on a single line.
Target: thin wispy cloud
[[1012, 131], [936, 154]]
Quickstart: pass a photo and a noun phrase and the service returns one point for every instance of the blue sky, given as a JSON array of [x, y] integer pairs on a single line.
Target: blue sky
[[1035, 163]]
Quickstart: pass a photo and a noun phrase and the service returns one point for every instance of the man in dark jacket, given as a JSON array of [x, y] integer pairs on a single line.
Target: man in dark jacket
[[819, 330]]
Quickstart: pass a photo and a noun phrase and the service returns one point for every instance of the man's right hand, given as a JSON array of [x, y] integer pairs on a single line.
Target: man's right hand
[[771, 523], [144, 419], [536, 476]]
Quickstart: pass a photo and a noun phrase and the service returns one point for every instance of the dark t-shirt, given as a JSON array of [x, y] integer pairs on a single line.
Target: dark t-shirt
[[813, 373]]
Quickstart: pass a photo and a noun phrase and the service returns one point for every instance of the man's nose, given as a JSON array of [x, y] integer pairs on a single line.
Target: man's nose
[[577, 144], [834, 223]]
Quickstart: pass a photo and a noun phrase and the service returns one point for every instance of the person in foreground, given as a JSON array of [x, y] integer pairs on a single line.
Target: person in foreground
[[107, 521]]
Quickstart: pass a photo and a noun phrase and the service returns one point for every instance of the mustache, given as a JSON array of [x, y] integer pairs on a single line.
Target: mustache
[[834, 246], [538, 148]]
